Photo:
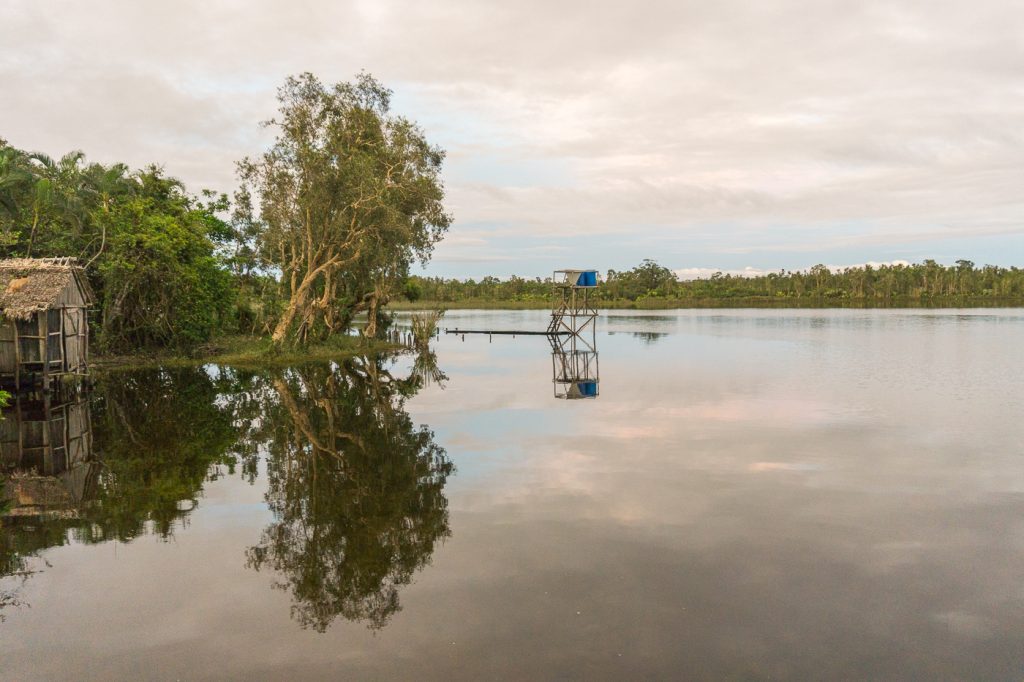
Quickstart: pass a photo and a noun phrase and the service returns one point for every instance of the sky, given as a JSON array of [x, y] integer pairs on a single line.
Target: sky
[[729, 135]]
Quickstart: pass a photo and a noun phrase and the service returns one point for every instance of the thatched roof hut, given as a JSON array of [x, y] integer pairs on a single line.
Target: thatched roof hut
[[43, 323], [31, 285]]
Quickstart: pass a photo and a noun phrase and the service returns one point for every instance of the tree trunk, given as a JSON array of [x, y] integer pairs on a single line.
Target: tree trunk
[[297, 303], [371, 324]]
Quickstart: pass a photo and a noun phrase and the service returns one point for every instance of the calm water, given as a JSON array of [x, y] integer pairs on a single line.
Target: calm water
[[753, 494]]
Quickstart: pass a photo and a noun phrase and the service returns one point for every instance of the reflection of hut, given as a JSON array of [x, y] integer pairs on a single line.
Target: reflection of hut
[[48, 442], [44, 331]]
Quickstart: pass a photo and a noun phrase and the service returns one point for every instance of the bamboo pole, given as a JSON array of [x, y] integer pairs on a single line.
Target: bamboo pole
[[17, 362], [43, 325], [63, 341]]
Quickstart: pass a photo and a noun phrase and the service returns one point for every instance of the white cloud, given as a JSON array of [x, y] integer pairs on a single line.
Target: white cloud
[[873, 264], [706, 273], [859, 128]]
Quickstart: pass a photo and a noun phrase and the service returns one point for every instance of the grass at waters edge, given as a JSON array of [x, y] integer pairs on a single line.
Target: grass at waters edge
[[244, 352], [249, 352]]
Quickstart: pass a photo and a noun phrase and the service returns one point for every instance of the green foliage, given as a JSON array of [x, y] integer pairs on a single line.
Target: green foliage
[[412, 291], [349, 196], [424, 325], [156, 254], [161, 283]]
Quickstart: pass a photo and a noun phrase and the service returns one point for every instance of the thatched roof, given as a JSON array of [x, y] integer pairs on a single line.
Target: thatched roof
[[29, 285]]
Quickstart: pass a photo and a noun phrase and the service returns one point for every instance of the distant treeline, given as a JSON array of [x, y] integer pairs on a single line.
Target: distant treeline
[[653, 285]]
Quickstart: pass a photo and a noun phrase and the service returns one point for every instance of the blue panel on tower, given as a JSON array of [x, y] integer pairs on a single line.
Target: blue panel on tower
[[587, 278]]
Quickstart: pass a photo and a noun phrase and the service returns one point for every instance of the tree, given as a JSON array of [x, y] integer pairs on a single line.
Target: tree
[[160, 281], [349, 195], [15, 177]]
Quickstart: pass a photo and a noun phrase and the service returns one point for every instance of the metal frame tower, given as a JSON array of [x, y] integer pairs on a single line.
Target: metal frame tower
[[572, 333], [572, 312]]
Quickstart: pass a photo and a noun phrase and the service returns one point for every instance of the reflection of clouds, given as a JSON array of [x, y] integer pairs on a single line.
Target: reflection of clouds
[[966, 624], [783, 466], [762, 498], [793, 412], [607, 429], [777, 524]]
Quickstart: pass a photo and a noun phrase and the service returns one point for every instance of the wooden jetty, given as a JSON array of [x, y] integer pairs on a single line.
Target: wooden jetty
[[506, 332]]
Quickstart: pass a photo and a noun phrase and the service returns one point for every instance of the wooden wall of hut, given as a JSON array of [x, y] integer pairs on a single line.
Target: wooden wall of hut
[[59, 335], [73, 329]]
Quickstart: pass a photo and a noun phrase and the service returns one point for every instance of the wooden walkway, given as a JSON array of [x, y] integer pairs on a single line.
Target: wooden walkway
[[507, 332]]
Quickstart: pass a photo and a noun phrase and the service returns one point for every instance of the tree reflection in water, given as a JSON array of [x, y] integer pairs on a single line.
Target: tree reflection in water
[[146, 442], [355, 488], [426, 372], [356, 491]]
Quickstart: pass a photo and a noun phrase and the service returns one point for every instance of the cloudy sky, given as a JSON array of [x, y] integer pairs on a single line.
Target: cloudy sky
[[730, 135]]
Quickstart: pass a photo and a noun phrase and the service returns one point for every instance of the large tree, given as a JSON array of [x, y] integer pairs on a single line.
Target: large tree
[[348, 195]]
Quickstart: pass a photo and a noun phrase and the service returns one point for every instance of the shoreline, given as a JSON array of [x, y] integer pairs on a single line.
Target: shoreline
[[243, 352], [247, 352], [734, 303]]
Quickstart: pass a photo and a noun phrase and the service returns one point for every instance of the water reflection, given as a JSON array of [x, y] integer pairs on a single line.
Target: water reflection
[[426, 371], [49, 435], [159, 435], [127, 459], [356, 490], [649, 338], [45, 447], [575, 371], [722, 496], [354, 487]]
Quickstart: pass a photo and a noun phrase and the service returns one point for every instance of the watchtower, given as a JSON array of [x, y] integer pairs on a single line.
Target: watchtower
[[572, 312]]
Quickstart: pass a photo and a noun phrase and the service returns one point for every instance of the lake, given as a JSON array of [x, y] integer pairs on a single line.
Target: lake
[[736, 494]]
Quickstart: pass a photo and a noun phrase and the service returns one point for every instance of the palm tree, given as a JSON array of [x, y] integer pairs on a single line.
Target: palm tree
[[14, 177], [108, 185]]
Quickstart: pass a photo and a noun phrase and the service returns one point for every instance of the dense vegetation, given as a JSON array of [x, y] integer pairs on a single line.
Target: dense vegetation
[[152, 250], [652, 285], [325, 225]]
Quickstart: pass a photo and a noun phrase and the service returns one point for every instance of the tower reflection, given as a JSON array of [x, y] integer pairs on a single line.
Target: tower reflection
[[575, 372]]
